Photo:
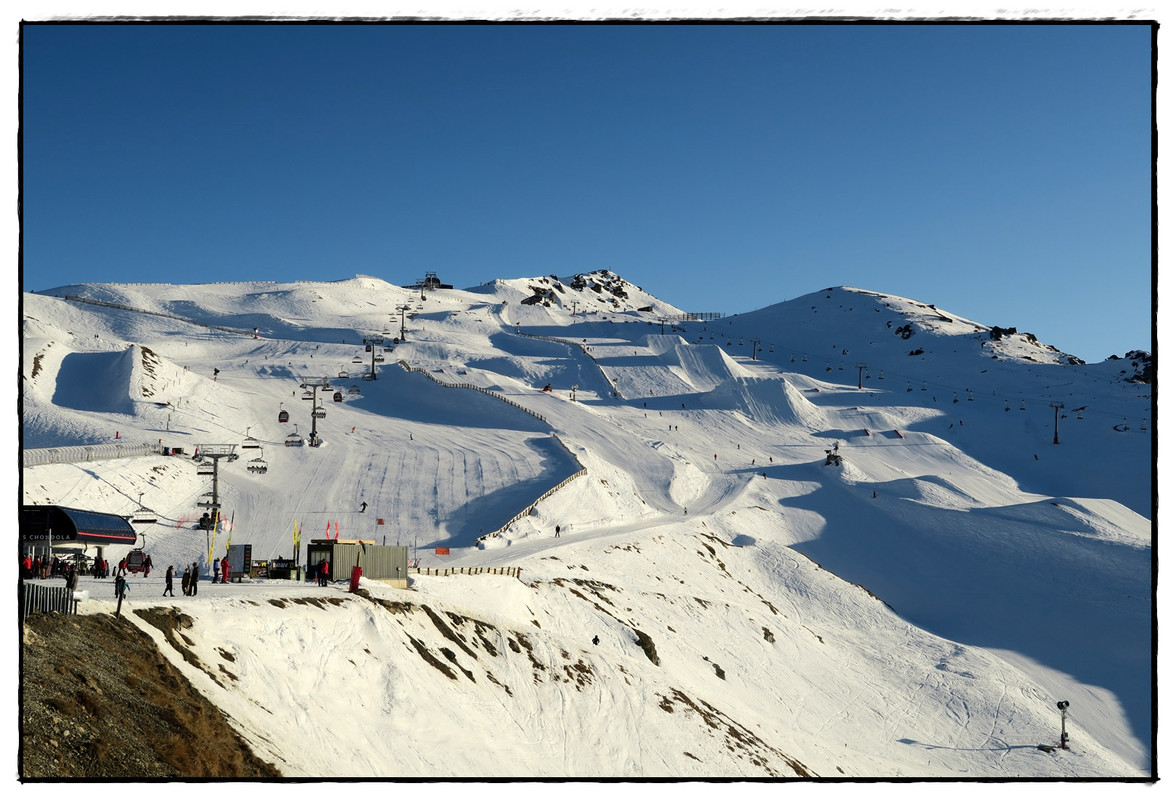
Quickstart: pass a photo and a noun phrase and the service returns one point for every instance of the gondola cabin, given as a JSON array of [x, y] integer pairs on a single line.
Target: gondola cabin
[[367, 348], [338, 397], [283, 416]]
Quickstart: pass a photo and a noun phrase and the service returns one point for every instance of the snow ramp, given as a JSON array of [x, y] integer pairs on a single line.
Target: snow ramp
[[97, 381], [702, 367], [766, 400]]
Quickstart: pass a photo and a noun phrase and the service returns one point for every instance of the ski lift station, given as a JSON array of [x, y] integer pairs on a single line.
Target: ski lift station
[[44, 529]]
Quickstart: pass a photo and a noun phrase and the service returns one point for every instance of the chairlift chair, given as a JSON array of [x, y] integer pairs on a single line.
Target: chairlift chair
[[250, 443], [205, 467], [353, 390], [143, 516], [357, 360], [257, 465], [344, 374], [294, 440], [319, 412]]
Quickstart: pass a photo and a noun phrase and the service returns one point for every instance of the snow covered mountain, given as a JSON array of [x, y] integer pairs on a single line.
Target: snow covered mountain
[[759, 611]]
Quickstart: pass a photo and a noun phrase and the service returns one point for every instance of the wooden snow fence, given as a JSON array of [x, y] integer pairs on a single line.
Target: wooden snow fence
[[38, 599], [512, 572], [75, 299]]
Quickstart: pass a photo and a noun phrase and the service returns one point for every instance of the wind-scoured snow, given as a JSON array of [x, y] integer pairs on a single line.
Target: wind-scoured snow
[[917, 611]]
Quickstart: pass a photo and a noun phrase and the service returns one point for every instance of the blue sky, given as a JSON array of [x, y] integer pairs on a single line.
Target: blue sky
[[1002, 172]]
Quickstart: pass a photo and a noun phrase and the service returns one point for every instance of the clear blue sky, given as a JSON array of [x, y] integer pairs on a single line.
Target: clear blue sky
[[1002, 172]]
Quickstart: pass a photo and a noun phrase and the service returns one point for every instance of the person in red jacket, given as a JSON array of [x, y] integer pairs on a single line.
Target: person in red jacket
[[224, 570]]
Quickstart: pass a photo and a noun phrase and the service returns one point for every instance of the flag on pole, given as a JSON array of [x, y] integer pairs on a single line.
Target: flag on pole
[[215, 525], [336, 530], [229, 543]]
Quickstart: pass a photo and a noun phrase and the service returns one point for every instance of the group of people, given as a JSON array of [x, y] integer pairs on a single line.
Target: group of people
[[190, 580], [36, 568], [220, 570]]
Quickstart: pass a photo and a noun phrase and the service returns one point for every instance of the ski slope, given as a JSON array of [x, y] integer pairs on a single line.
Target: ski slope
[[891, 617]]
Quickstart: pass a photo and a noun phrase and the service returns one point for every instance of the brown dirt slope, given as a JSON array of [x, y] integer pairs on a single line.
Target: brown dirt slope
[[98, 700]]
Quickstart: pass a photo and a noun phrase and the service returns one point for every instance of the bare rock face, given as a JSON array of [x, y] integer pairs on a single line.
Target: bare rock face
[[98, 700]]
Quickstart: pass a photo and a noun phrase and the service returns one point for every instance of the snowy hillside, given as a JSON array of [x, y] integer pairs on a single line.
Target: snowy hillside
[[759, 611]]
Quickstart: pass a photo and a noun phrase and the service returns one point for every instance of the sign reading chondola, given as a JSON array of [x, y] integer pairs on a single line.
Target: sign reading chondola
[[63, 526]]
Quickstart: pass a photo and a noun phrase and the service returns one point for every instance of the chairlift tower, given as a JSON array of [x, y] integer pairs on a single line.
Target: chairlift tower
[[1056, 407], [402, 309], [373, 342], [754, 347], [860, 368], [215, 452], [313, 385]]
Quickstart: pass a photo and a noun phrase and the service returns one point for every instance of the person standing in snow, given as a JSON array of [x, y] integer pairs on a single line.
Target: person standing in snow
[[120, 591], [167, 581], [224, 570], [194, 579], [186, 581], [363, 507], [215, 569]]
